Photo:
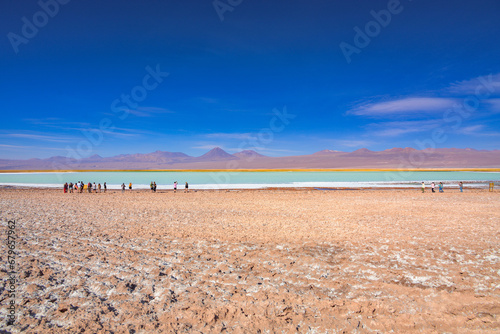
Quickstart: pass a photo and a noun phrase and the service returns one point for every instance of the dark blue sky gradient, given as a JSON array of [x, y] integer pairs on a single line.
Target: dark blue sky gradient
[[226, 77]]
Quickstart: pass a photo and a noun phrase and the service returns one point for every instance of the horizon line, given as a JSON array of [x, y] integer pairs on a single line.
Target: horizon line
[[444, 169]]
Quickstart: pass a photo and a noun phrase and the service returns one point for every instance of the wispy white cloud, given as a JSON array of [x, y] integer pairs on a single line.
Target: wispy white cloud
[[394, 129], [483, 87], [31, 147], [480, 86], [148, 111], [58, 123], [471, 130], [405, 106], [118, 132], [494, 104], [478, 130], [350, 143], [50, 138], [78, 134], [237, 136]]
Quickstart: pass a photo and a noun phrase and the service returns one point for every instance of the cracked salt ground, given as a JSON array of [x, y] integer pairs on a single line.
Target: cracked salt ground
[[257, 261]]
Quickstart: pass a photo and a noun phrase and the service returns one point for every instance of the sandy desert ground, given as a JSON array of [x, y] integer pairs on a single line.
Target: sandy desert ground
[[264, 261]]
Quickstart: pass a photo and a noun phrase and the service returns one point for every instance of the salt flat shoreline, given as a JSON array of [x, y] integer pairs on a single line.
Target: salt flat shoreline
[[281, 260], [450, 186]]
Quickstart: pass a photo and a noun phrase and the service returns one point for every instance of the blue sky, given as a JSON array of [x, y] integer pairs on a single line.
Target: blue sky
[[281, 77]]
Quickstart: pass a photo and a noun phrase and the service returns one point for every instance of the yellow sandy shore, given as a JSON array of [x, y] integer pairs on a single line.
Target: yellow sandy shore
[[266, 170]]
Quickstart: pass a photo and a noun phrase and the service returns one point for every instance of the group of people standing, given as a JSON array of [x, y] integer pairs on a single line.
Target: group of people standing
[[80, 186], [153, 186], [186, 187], [92, 187], [441, 187], [129, 186]]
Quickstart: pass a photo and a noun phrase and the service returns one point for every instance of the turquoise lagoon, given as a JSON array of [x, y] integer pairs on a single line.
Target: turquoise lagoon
[[253, 180]]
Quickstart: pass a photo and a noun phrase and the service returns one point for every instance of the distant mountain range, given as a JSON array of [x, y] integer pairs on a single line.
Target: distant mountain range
[[217, 158]]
